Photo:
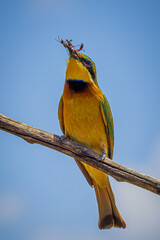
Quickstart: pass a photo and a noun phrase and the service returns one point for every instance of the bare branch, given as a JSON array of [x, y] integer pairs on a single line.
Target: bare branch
[[80, 152]]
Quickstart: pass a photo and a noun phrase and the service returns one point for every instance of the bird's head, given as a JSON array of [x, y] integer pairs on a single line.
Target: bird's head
[[79, 66]]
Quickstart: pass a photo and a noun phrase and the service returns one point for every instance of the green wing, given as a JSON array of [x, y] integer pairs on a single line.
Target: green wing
[[109, 126]]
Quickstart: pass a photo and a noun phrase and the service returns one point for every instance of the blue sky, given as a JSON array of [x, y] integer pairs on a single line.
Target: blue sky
[[43, 195]]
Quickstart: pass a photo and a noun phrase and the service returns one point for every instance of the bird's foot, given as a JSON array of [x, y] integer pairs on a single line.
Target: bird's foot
[[64, 137], [102, 157]]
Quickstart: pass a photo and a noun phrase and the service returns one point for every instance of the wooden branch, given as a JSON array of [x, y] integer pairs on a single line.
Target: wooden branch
[[80, 152]]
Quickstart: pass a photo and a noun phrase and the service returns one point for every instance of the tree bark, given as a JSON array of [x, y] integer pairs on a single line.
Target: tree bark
[[80, 152]]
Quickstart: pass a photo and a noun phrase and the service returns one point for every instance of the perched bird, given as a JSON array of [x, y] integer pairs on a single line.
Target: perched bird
[[85, 117]]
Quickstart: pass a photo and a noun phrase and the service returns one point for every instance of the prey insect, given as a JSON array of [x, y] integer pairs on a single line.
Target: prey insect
[[68, 44]]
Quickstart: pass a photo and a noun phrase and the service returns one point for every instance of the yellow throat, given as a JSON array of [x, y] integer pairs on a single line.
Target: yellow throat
[[76, 70]]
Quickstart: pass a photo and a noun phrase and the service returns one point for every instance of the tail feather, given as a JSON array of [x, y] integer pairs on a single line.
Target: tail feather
[[109, 215]]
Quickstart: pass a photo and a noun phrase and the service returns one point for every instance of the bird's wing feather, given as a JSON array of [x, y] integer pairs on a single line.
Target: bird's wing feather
[[60, 114], [85, 173], [109, 127]]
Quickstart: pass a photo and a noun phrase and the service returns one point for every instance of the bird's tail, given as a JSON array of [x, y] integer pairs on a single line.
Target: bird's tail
[[109, 215]]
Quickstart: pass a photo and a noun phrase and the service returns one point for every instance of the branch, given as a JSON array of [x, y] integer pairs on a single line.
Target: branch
[[80, 152]]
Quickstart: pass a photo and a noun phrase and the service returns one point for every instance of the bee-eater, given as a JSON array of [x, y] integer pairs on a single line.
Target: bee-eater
[[85, 117]]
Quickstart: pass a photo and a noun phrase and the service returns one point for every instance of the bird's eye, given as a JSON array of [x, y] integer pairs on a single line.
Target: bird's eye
[[88, 63]]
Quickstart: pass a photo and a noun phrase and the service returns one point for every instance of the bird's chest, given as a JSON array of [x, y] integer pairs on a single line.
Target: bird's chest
[[83, 121]]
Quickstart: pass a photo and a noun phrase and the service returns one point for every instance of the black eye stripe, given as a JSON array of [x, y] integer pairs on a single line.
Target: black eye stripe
[[92, 73], [89, 67]]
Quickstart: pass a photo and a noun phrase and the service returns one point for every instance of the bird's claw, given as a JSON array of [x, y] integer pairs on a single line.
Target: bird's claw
[[63, 137], [102, 157]]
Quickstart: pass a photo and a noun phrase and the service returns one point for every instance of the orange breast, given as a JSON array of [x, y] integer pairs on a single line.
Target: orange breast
[[84, 124], [83, 120]]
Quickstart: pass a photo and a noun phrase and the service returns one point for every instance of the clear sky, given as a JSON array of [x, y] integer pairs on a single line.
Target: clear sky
[[43, 195]]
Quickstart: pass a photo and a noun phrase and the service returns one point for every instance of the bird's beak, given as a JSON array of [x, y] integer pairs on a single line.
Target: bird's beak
[[73, 53]]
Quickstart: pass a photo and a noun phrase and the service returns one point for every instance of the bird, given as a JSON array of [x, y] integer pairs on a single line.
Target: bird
[[85, 117]]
